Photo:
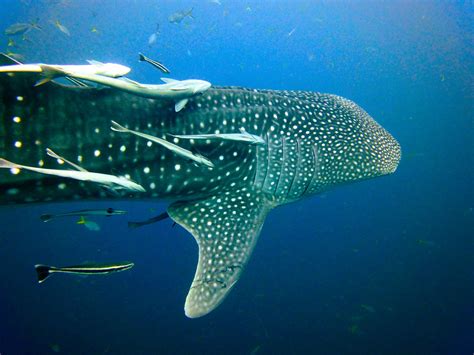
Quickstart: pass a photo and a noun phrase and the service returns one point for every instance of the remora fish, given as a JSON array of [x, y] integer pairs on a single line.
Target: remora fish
[[155, 63], [44, 271], [243, 136], [10, 59], [172, 147], [87, 212], [178, 90], [51, 71], [315, 142], [103, 179]]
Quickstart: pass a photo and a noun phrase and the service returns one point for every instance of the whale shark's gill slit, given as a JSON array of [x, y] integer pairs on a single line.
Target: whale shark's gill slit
[[295, 170], [297, 165], [314, 166], [283, 147], [268, 165]]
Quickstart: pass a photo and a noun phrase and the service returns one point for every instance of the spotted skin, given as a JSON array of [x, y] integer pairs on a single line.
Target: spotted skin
[[313, 142]]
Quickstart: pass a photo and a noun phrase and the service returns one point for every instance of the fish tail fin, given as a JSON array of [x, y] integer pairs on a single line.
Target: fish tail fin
[[49, 73], [52, 154], [118, 128], [46, 217], [141, 57], [81, 220], [35, 25], [190, 13], [43, 272], [7, 164]]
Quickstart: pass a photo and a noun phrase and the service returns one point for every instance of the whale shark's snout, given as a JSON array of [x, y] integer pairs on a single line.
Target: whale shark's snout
[[360, 148], [384, 149], [392, 155]]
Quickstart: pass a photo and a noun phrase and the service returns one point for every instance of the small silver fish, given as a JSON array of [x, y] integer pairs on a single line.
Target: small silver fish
[[154, 36], [44, 271], [62, 28], [179, 16], [87, 212], [152, 39], [171, 146]]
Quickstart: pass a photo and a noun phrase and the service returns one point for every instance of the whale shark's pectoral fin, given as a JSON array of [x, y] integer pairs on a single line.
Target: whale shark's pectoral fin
[[226, 228]]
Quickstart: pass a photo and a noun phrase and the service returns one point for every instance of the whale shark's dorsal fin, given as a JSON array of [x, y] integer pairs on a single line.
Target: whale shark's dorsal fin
[[226, 228]]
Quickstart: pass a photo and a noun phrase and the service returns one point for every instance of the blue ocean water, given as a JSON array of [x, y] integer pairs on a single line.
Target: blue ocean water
[[384, 266]]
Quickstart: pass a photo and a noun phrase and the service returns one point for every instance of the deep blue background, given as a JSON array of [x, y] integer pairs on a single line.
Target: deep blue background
[[401, 245]]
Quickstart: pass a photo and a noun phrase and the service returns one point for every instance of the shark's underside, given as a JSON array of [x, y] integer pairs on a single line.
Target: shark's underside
[[313, 142]]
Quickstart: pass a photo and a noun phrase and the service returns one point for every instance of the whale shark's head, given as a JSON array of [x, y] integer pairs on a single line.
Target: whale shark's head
[[370, 152]]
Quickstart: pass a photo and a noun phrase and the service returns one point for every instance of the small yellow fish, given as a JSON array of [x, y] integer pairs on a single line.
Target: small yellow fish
[[94, 29], [11, 43], [91, 225]]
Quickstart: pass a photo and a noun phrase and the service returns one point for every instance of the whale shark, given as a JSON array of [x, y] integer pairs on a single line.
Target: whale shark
[[313, 142]]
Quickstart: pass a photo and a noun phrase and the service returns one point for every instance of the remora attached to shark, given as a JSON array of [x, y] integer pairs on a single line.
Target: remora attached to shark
[[313, 142]]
